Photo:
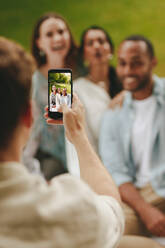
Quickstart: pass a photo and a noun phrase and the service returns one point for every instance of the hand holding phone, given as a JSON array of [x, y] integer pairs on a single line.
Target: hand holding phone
[[73, 120], [59, 91]]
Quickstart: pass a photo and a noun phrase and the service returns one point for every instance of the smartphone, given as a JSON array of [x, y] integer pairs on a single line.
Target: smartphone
[[59, 91]]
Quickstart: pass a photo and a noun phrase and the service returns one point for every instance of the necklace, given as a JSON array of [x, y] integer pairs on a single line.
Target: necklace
[[102, 84]]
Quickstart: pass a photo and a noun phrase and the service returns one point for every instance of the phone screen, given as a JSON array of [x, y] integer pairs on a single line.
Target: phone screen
[[59, 91]]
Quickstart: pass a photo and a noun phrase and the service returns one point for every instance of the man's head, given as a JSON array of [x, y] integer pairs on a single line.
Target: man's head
[[136, 60], [16, 68]]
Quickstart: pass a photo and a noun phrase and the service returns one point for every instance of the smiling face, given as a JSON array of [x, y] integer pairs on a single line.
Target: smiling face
[[54, 88], [96, 47], [135, 65], [64, 91], [59, 91], [54, 38]]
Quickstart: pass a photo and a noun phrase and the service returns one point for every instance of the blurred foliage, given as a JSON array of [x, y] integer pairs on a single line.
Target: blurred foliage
[[59, 78], [120, 18]]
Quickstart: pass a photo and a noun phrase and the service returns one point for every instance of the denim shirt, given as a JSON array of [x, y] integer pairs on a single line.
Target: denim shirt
[[115, 141]]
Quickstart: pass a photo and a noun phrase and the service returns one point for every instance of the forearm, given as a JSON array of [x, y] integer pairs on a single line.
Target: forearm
[[131, 196], [92, 170]]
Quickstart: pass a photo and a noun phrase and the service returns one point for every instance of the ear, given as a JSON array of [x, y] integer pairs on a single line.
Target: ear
[[27, 118], [39, 43], [154, 62]]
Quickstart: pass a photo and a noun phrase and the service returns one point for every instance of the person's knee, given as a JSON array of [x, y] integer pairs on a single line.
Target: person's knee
[[130, 241]]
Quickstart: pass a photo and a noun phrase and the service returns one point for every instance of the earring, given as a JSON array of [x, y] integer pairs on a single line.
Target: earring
[[110, 56], [41, 53]]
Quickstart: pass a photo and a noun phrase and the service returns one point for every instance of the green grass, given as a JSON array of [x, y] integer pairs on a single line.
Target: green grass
[[119, 17]]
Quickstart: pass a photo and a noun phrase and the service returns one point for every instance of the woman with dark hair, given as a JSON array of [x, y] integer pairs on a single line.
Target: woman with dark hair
[[89, 57], [99, 83], [53, 46]]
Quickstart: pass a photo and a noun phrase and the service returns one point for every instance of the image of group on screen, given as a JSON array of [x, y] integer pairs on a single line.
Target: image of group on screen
[[58, 97]]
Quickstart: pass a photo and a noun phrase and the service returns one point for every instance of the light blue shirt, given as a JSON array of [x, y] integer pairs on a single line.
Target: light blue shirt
[[115, 141]]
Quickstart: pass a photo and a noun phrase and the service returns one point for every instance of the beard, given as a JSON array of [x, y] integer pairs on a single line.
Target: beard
[[139, 84]]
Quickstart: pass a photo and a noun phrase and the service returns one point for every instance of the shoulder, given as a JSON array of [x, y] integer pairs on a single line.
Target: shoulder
[[37, 77], [38, 81], [82, 87], [64, 195], [159, 87], [159, 82], [79, 204], [79, 82], [67, 184], [66, 206]]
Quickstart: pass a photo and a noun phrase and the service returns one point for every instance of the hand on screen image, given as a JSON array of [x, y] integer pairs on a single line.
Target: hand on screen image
[[73, 119]]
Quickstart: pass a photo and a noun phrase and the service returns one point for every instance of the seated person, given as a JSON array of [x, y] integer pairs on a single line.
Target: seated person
[[132, 139], [68, 212]]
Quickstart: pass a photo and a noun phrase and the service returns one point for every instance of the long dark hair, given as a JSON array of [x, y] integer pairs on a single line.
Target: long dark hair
[[115, 87], [70, 60]]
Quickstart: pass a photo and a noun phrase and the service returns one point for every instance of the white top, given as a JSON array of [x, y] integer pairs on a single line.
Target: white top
[[66, 213], [66, 100], [141, 134], [95, 100], [58, 99]]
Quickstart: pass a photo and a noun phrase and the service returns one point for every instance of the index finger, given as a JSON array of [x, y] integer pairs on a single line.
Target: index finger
[[54, 122]]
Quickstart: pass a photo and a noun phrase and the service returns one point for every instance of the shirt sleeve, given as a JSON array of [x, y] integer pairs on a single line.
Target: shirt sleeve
[[79, 216], [111, 221], [111, 149]]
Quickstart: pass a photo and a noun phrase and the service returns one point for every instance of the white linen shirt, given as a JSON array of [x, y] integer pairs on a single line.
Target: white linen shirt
[[66, 213]]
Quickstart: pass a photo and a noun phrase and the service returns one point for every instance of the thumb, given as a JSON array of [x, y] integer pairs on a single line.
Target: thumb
[[64, 108]]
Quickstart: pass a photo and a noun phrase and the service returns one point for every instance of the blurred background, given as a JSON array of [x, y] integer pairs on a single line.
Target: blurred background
[[119, 17]]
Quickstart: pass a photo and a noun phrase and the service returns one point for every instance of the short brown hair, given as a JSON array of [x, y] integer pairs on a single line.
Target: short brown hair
[[16, 68]]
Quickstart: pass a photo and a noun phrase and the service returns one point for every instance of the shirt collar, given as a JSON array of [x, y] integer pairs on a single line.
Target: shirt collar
[[158, 92], [159, 89]]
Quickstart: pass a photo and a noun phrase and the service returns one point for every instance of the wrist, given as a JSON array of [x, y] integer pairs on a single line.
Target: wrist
[[142, 208], [80, 140]]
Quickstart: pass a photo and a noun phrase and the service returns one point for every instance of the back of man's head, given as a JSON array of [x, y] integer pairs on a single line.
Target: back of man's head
[[16, 68]]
